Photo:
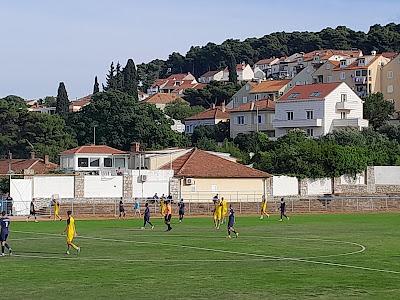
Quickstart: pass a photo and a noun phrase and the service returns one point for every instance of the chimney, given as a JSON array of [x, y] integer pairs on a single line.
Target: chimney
[[373, 53], [135, 147], [46, 160], [32, 155]]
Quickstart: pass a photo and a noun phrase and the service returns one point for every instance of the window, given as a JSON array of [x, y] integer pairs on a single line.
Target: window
[[343, 97], [259, 119], [289, 115], [244, 99], [83, 162], [343, 76], [328, 66], [293, 95], [390, 89], [342, 63], [257, 97], [247, 87], [310, 114], [358, 73], [315, 94], [364, 72], [369, 72], [108, 162], [240, 120], [120, 162], [310, 131], [390, 74], [343, 115], [95, 162]]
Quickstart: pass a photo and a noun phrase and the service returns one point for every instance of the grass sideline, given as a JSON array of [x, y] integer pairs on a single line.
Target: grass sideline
[[310, 256]]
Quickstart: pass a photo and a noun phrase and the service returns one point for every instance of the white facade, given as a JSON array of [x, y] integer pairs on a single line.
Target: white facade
[[317, 117], [244, 73], [106, 163], [190, 125], [303, 77]]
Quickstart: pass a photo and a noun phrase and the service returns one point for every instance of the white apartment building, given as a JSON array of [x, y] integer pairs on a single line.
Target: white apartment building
[[318, 109]]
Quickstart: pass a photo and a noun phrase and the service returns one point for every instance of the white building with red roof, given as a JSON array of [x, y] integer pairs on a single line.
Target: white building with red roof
[[208, 117], [95, 159], [175, 83], [318, 109], [243, 70]]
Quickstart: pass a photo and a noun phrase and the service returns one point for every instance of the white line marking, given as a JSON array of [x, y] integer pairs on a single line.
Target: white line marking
[[229, 252]]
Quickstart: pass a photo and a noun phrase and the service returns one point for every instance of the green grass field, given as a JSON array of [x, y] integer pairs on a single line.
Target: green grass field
[[310, 256]]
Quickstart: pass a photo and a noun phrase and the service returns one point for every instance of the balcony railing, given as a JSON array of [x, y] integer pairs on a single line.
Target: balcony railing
[[347, 105], [350, 123], [297, 123]]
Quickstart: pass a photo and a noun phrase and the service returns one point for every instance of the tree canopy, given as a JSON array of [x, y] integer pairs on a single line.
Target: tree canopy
[[377, 110], [180, 110], [120, 120], [23, 132], [62, 102]]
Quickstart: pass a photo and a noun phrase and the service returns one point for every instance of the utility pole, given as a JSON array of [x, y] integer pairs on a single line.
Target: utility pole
[[257, 118], [94, 134]]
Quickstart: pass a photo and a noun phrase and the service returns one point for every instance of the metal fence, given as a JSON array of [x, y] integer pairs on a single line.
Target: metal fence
[[110, 208]]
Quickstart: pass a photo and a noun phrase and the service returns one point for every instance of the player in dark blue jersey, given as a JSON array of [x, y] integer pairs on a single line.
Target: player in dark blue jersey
[[146, 217], [231, 222], [181, 206], [4, 230], [282, 208]]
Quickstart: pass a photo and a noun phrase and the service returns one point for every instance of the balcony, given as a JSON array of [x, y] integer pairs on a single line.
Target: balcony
[[347, 105], [359, 123], [297, 123], [360, 79]]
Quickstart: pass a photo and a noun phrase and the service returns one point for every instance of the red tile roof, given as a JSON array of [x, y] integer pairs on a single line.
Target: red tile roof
[[262, 105], [212, 113], [82, 101], [93, 149], [390, 55], [266, 61], [304, 92], [192, 164], [163, 98], [19, 165], [354, 65], [325, 54], [269, 86]]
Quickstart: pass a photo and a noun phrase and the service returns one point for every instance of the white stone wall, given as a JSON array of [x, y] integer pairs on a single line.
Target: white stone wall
[[47, 186], [103, 187], [157, 181], [285, 186], [319, 186], [387, 175]]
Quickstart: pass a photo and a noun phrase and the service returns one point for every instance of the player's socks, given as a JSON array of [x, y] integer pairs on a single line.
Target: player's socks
[[152, 227], [9, 251], [67, 252], [2, 249]]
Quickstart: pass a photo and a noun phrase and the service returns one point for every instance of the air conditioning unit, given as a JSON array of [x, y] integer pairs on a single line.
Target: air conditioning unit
[[189, 181], [143, 178]]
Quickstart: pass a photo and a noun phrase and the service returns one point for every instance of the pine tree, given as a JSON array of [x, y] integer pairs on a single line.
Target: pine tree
[[130, 79], [119, 78], [110, 79], [232, 68], [62, 104], [96, 86]]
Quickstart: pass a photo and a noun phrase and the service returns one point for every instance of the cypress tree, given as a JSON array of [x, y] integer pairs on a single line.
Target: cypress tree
[[232, 68], [96, 86], [130, 79], [110, 79], [62, 102], [119, 78]]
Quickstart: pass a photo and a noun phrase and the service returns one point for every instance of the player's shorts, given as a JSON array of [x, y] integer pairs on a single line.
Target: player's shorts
[[121, 210], [230, 224], [167, 218], [3, 237], [32, 212], [70, 238], [181, 212]]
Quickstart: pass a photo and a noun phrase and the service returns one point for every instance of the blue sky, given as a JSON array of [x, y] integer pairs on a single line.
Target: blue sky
[[45, 42]]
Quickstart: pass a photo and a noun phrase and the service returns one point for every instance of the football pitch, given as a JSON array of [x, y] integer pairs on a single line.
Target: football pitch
[[351, 256]]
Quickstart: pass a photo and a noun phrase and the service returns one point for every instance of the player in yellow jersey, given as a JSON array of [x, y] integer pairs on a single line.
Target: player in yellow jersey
[[56, 209], [162, 205], [215, 211], [264, 210], [219, 212], [70, 230], [224, 210]]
